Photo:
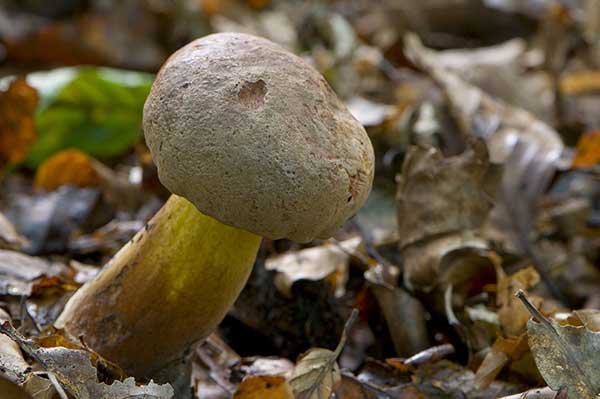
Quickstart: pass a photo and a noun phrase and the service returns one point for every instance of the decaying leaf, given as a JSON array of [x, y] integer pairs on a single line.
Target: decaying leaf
[[74, 370], [317, 371], [588, 150], [566, 356], [511, 314], [480, 115], [70, 166], [74, 167], [17, 126], [446, 379], [441, 202], [398, 306], [18, 272], [503, 350], [580, 83], [49, 219], [12, 365], [315, 264], [369, 113], [264, 387], [9, 237]]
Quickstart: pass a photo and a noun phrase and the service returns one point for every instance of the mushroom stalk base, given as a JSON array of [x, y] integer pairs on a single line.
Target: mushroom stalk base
[[169, 287]]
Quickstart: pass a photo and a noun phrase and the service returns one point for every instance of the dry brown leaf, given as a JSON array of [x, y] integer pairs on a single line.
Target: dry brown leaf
[[588, 150], [580, 83], [478, 114], [513, 317], [75, 373], [503, 351], [9, 237], [264, 387], [258, 4], [328, 261], [317, 373], [441, 203], [69, 166], [566, 356], [17, 125]]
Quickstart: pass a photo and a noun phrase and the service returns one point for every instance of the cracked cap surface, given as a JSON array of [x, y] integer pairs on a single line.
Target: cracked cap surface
[[255, 137]]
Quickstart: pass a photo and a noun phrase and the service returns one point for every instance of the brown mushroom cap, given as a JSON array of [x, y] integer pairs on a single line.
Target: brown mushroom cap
[[256, 138]]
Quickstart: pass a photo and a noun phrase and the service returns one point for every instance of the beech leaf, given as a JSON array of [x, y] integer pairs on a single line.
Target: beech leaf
[[317, 371], [567, 356]]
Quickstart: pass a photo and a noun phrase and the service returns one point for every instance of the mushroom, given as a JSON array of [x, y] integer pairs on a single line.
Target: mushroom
[[252, 142]]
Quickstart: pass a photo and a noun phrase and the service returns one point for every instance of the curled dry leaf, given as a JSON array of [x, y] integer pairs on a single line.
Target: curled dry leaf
[[9, 237], [266, 378], [317, 371], [580, 83], [264, 387], [74, 167], [398, 306], [511, 314], [17, 126], [314, 264], [74, 371], [503, 351], [66, 167], [18, 272], [480, 115], [441, 203], [566, 356], [12, 365], [588, 150]]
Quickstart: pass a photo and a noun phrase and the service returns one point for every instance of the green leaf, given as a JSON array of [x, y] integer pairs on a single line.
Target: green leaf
[[96, 110]]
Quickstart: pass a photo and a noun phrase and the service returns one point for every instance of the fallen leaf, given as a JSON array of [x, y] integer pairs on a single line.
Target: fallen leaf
[[74, 370], [19, 272], [580, 83], [17, 125], [538, 393], [317, 372], [13, 366], [589, 318], [587, 153], [351, 387], [480, 115], [316, 263], [369, 113], [566, 356], [503, 350], [441, 203], [49, 220], [69, 166], [511, 314], [9, 237], [398, 306], [264, 387]]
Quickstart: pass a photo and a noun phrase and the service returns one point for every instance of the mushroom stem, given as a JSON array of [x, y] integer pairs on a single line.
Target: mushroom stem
[[169, 287]]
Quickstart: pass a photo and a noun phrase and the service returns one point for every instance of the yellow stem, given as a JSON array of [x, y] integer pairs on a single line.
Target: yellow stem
[[169, 287]]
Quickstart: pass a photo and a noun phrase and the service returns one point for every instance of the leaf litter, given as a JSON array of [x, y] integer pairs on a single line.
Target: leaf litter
[[484, 122]]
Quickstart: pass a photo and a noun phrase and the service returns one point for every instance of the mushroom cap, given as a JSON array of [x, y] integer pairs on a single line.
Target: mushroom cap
[[256, 138]]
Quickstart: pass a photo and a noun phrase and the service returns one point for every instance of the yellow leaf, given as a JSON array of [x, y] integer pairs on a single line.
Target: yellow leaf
[[264, 387]]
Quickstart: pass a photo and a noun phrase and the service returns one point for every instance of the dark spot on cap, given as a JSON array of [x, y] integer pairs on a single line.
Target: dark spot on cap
[[252, 94]]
